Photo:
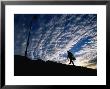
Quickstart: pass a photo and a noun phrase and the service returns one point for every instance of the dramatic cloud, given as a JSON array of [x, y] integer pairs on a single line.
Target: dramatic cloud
[[52, 35]]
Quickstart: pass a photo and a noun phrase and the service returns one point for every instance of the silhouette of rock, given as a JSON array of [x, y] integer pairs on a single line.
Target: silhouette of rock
[[24, 66]]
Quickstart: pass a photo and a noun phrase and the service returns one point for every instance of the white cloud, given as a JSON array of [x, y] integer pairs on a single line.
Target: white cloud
[[53, 39]]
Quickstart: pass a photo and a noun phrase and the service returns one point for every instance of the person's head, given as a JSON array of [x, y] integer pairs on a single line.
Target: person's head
[[67, 51]]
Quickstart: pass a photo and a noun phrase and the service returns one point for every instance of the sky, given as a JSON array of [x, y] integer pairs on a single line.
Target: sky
[[52, 35]]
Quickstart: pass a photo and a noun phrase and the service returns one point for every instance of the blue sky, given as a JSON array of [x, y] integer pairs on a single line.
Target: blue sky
[[52, 35]]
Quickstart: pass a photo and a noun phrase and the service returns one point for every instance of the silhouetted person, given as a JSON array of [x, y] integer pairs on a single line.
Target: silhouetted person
[[71, 57]]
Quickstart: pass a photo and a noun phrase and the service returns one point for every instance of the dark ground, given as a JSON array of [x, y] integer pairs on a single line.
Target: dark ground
[[26, 67]]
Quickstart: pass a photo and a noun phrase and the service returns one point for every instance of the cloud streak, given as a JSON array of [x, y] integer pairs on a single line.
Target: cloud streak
[[52, 35]]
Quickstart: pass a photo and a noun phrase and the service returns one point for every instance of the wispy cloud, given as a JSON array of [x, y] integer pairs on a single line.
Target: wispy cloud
[[53, 35]]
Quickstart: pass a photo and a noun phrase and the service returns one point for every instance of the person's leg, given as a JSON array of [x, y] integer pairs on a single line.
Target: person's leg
[[72, 62]]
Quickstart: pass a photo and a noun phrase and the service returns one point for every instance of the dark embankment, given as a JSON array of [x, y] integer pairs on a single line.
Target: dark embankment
[[26, 67]]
